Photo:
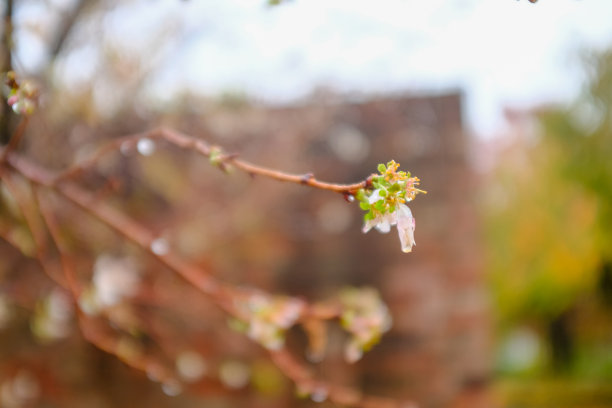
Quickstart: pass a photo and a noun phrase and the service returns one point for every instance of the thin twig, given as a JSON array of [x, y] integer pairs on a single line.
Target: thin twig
[[30, 216], [6, 58], [90, 328], [224, 160], [54, 231], [320, 390]]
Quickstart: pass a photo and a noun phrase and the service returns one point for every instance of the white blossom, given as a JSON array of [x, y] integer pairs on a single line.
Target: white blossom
[[114, 279], [401, 217]]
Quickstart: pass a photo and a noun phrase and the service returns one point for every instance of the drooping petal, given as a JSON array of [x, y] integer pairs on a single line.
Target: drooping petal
[[405, 228]]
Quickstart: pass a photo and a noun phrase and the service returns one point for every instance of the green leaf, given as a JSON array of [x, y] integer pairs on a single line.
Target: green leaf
[[364, 205]]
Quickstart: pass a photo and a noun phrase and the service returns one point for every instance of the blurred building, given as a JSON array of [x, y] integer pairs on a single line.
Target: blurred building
[[438, 351]]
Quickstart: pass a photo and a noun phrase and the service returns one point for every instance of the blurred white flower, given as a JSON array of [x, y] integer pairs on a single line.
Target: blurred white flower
[[20, 391], [113, 280], [365, 317], [234, 374], [270, 317], [191, 366]]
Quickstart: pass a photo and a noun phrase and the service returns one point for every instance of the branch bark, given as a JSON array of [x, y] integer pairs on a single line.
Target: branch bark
[[6, 114]]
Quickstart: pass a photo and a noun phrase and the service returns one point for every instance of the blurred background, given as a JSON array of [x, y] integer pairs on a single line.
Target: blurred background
[[502, 109]]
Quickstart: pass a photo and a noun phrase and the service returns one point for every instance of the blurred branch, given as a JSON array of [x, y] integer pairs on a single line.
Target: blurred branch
[[6, 42], [7, 37], [215, 155], [33, 222], [320, 390], [66, 27], [93, 330], [226, 297], [53, 228], [15, 139]]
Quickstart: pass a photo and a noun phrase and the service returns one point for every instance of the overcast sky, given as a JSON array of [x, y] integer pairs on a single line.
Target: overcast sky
[[499, 52]]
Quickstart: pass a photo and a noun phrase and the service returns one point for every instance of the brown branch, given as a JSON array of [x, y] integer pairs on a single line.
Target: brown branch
[[30, 216], [66, 26], [92, 330], [6, 42], [223, 295], [223, 160], [119, 222], [111, 343], [15, 139], [320, 390], [54, 230]]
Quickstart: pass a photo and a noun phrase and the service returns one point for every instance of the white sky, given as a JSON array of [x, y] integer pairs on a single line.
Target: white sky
[[500, 52]]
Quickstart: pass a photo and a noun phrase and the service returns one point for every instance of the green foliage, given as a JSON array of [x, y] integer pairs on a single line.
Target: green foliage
[[549, 216]]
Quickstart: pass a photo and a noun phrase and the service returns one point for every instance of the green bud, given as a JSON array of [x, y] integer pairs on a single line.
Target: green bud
[[382, 168], [360, 195], [215, 156]]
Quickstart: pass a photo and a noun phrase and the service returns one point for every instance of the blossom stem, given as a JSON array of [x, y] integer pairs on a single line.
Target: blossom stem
[[190, 143]]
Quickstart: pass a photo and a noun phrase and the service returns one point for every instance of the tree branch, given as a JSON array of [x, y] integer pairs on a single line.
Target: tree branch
[[224, 295], [6, 42], [214, 154]]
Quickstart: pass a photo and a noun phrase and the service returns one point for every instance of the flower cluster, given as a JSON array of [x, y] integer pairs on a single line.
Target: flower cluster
[[21, 96], [270, 317], [385, 203], [365, 317]]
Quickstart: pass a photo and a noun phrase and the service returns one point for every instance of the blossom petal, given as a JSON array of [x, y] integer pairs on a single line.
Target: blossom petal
[[405, 228], [374, 197], [368, 225], [384, 223]]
